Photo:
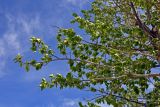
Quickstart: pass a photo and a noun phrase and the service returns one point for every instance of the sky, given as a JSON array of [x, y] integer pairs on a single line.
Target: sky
[[19, 20]]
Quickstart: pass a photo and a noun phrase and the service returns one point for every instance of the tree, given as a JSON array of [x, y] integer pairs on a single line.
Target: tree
[[115, 61]]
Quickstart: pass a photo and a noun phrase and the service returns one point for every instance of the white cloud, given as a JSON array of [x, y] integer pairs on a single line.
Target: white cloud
[[19, 29], [105, 105], [74, 103], [14, 39], [70, 103], [2, 65], [51, 105], [11, 39], [46, 105], [79, 3], [2, 50], [28, 25]]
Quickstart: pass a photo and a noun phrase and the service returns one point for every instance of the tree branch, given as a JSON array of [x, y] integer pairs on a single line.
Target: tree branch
[[129, 75], [90, 62], [140, 23], [106, 94]]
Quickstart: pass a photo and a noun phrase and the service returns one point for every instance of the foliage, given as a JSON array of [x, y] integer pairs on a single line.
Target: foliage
[[115, 61]]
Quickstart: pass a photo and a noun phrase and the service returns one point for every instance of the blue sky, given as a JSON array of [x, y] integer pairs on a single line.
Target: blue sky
[[19, 20]]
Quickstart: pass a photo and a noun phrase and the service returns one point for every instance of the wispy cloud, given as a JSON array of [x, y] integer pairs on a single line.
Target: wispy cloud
[[2, 49], [51, 105], [29, 24], [46, 105], [70, 103], [2, 65], [13, 40], [74, 103], [78, 2], [18, 31], [105, 105]]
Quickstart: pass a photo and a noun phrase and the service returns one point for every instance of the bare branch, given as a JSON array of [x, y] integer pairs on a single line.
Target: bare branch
[[54, 26]]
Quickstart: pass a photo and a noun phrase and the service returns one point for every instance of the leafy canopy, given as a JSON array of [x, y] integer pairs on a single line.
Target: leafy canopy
[[115, 60]]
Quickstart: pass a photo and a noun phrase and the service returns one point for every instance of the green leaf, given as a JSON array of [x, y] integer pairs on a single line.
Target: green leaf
[[75, 14], [38, 66], [27, 66]]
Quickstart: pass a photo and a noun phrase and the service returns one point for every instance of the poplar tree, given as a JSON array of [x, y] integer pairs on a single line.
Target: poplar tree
[[115, 61]]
